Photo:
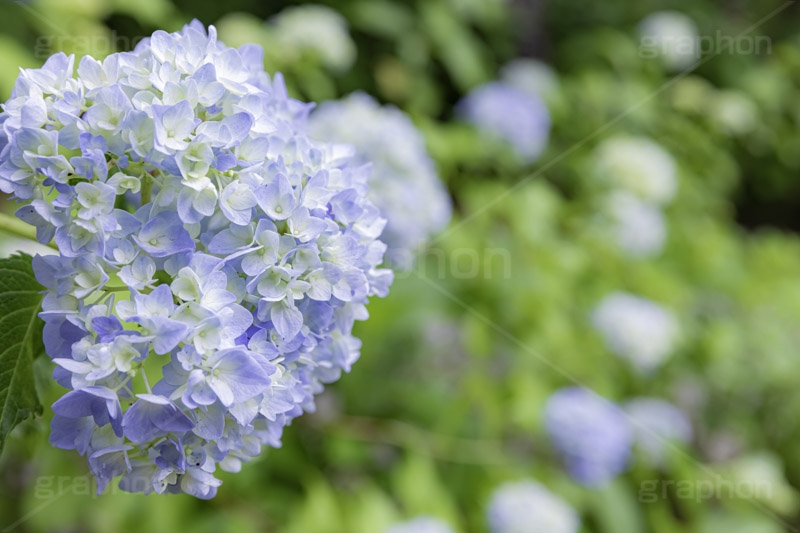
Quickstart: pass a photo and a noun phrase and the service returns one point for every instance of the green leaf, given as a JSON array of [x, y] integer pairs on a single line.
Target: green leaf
[[320, 512], [617, 510], [459, 49], [20, 341], [421, 490]]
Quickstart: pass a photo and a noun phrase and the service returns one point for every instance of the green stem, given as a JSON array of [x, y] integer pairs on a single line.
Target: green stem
[[147, 188], [116, 289], [18, 228], [146, 383]]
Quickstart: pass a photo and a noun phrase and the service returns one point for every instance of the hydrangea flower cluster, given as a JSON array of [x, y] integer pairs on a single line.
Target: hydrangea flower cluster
[[317, 30], [639, 166], [672, 36], [180, 174], [734, 112], [528, 507], [404, 183], [656, 423], [532, 76], [510, 114], [636, 329], [766, 472], [421, 525], [643, 178], [638, 227], [591, 433]]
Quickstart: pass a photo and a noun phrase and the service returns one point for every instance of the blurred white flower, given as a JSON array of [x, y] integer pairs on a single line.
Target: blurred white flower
[[409, 193], [638, 227], [528, 507], [671, 35], [734, 112], [532, 76], [656, 423], [638, 165], [636, 329], [421, 525], [760, 476], [316, 29]]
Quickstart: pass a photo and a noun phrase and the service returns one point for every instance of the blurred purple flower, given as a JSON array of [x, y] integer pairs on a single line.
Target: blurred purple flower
[[591, 433], [517, 117]]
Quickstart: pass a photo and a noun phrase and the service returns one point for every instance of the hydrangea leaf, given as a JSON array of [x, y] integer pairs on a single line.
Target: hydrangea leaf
[[20, 341]]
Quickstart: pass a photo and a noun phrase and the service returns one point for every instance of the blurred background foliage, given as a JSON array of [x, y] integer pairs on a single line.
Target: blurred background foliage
[[457, 363]]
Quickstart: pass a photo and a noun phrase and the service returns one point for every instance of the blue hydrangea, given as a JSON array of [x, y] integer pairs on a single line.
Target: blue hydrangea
[[591, 433], [421, 525], [513, 115], [403, 183], [180, 174], [657, 423]]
